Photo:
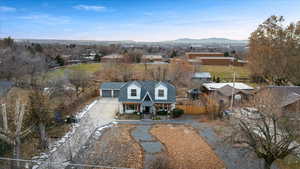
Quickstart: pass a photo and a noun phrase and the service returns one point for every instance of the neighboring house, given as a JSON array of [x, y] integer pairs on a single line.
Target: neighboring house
[[152, 58], [225, 94], [217, 60], [287, 96], [201, 77], [207, 58], [211, 87], [146, 97], [194, 55], [112, 58]]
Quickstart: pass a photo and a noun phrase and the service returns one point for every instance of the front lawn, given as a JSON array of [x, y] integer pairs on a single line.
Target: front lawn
[[186, 148]]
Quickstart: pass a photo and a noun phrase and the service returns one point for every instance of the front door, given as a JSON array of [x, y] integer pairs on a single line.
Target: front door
[[147, 110]]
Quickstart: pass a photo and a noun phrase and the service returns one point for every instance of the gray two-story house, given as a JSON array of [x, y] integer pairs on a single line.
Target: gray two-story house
[[141, 96]]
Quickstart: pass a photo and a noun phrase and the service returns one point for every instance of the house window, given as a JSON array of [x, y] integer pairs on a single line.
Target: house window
[[131, 107], [133, 92], [161, 93]]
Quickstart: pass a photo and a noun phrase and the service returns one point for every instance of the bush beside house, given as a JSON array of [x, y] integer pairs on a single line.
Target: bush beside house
[[176, 112]]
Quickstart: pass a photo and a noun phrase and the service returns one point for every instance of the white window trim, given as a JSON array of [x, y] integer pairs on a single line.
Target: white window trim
[[138, 92], [161, 87], [132, 92]]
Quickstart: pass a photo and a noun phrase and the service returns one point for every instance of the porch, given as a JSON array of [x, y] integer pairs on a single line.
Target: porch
[[145, 107]]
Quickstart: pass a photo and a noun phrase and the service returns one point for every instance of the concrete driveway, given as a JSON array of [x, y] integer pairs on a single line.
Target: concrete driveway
[[103, 112], [99, 114]]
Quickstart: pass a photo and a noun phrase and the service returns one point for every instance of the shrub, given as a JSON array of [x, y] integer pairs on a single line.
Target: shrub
[[4, 148], [162, 113], [177, 112]]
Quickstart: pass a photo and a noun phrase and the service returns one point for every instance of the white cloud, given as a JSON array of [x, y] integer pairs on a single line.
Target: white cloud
[[46, 19], [90, 8], [7, 9]]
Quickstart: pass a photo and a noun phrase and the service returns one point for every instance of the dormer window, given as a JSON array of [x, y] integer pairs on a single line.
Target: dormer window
[[161, 93], [133, 92]]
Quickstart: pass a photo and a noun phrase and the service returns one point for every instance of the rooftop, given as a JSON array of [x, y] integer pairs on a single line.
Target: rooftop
[[237, 85], [152, 56], [208, 53], [202, 75], [228, 91], [112, 85], [113, 56], [216, 57], [287, 94]]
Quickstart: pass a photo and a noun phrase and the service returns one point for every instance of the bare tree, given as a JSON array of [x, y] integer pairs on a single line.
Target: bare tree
[[79, 79], [133, 56], [125, 72], [176, 73], [39, 113], [274, 52], [265, 133], [16, 62], [12, 133]]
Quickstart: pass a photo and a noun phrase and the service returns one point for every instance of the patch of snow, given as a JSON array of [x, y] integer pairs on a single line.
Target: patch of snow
[[67, 136], [86, 109], [98, 132]]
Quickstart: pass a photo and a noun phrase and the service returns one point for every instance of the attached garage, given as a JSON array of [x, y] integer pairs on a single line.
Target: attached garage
[[106, 93], [116, 93], [110, 89]]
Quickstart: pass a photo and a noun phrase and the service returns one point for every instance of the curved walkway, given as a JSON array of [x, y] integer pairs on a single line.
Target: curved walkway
[[233, 157]]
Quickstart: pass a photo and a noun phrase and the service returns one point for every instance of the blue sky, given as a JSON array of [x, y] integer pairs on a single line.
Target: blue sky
[[141, 20]]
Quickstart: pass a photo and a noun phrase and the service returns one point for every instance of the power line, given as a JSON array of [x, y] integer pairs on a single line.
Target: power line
[[59, 163]]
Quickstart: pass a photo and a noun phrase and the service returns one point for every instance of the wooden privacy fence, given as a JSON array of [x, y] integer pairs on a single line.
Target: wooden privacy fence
[[192, 109]]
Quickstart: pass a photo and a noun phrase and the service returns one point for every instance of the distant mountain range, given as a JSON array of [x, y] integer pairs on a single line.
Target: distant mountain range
[[177, 41], [208, 41]]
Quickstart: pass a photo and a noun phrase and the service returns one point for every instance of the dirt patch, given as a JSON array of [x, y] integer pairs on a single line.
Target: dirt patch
[[186, 148], [114, 148]]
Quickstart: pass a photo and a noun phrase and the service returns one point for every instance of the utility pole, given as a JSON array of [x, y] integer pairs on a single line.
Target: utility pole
[[232, 92]]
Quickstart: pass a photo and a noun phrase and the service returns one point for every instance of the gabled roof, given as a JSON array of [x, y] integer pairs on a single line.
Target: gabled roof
[[290, 99], [200, 75], [237, 85], [227, 91], [112, 85], [5, 86], [148, 87], [285, 89], [286, 94]]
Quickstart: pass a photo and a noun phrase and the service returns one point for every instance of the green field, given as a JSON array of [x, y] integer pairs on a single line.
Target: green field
[[224, 72], [91, 68]]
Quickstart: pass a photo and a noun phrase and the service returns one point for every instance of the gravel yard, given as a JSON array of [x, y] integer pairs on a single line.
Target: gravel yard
[[115, 148], [186, 148]]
